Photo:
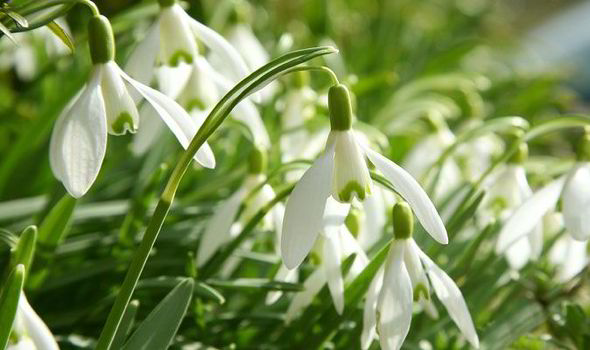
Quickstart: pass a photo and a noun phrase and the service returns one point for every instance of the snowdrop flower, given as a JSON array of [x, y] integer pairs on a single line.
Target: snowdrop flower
[[29, 331], [569, 256], [574, 191], [423, 156], [336, 243], [222, 227], [199, 95], [172, 40], [79, 138], [341, 173], [508, 190], [407, 276]]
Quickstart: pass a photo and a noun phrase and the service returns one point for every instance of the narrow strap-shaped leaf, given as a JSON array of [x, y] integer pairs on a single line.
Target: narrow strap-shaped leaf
[[25, 248], [18, 19], [9, 302], [62, 35], [160, 326], [6, 32], [53, 228], [126, 324], [256, 283]]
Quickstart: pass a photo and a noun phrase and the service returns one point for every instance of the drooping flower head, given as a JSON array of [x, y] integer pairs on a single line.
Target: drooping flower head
[[341, 173], [79, 138], [408, 275], [29, 332]]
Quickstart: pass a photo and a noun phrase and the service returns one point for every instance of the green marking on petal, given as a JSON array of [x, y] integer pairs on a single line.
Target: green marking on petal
[[180, 56], [123, 123], [196, 103], [421, 289], [353, 187]]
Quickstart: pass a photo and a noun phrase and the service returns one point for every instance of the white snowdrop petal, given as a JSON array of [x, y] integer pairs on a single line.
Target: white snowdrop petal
[[518, 254], [311, 287], [36, 328], [351, 174], [331, 265], [528, 215], [450, 296], [576, 202], [172, 80], [395, 300], [79, 140], [177, 44], [408, 188], [370, 311], [570, 256], [221, 47], [149, 132], [217, 232], [175, 117], [304, 210], [140, 64]]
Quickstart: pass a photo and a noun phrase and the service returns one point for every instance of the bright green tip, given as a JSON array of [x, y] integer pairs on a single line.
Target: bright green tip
[[123, 123], [101, 40], [353, 222], [351, 188], [403, 220], [421, 290], [180, 56], [340, 108]]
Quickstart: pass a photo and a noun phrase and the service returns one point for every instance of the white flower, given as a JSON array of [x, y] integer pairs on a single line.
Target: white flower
[[204, 87], [407, 276], [336, 244], [569, 256], [423, 156], [29, 331], [79, 138], [224, 225], [509, 189], [341, 172], [574, 190], [172, 40]]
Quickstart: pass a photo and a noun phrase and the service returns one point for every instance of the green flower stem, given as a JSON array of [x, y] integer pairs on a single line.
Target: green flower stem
[[220, 112], [333, 76]]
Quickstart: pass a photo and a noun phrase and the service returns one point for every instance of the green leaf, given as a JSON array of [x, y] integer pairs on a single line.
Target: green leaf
[[25, 248], [62, 35], [9, 302], [6, 32], [256, 283], [126, 324], [160, 326], [18, 19], [54, 227]]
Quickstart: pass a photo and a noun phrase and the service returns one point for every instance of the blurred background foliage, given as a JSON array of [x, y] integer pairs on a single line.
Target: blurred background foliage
[[470, 46]]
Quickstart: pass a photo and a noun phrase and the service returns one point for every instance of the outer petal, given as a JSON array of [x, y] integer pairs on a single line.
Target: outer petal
[[79, 140], [395, 300], [312, 286], [221, 47], [528, 215], [407, 186], [175, 117], [218, 229], [450, 296], [305, 210], [576, 202], [370, 311], [570, 256], [35, 327], [332, 256], [149, 132], [142, 60], [172, 80]]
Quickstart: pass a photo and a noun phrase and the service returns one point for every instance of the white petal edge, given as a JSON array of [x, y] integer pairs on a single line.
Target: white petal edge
[[450, 296], [529, 214], [141, 63], [395, 300], [79, 140], [304, 210], [36, 328], [218, 229], [576, 202], [175, 117], [413, 193], [331, 258], [370, 311], [221, 47]]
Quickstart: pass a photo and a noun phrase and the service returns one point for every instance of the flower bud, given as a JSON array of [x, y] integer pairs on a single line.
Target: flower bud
[[340, 108], [403, 220], [101, 40]]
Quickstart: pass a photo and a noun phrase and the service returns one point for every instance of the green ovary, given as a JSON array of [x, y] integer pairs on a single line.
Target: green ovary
[[196, 103], [180, 56], [353, 187], [123, 123]]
